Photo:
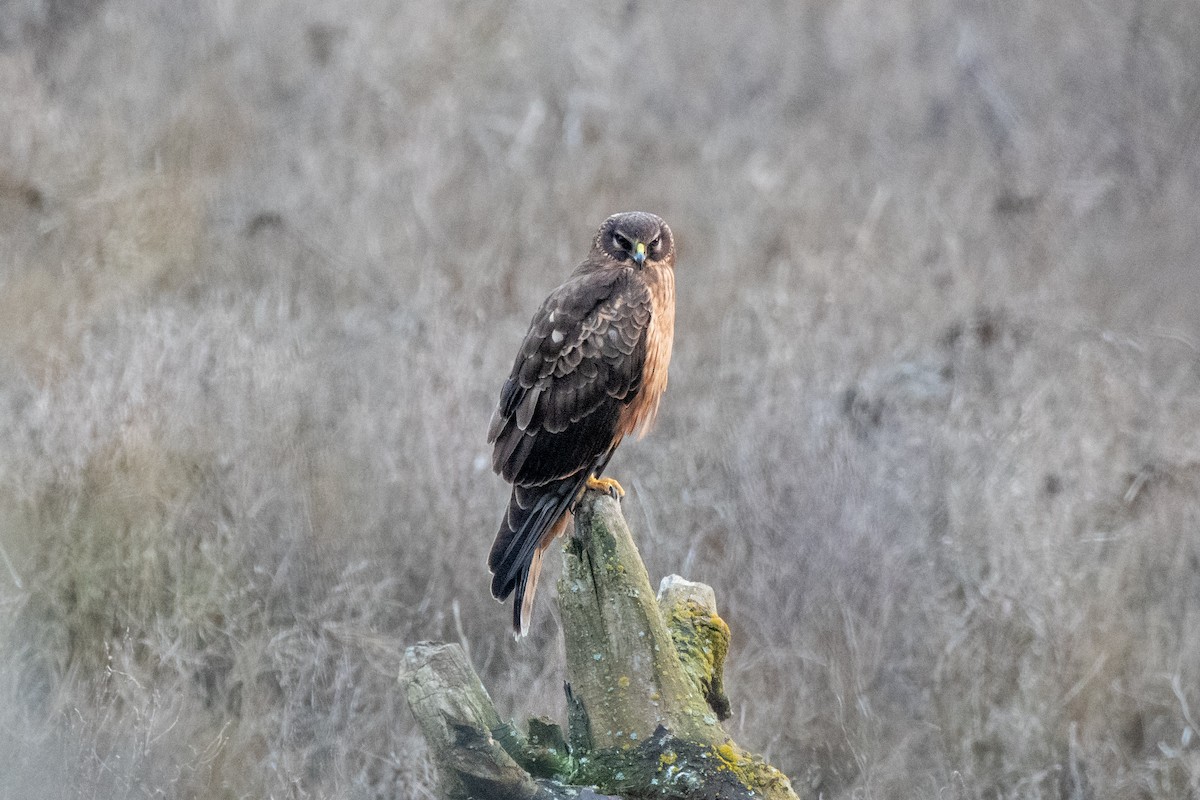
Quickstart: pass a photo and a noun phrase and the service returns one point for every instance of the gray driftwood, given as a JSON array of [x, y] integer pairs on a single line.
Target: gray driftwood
[[644, 684]]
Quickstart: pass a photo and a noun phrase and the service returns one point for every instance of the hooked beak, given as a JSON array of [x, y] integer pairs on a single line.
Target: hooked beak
[[639, 253]]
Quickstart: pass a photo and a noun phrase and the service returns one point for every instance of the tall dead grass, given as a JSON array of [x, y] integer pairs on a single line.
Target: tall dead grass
[[932, 430]]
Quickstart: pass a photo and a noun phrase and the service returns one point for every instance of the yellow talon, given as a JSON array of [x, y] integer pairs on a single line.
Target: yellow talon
[[606, 485]]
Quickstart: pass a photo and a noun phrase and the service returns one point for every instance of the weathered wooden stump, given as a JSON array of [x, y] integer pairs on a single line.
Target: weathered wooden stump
[[644, 687]]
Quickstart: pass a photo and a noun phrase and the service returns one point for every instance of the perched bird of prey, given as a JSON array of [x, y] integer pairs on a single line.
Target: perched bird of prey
[[591, 370]]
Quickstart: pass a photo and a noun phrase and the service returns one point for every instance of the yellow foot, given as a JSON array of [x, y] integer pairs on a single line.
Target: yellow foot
[[607, 485]]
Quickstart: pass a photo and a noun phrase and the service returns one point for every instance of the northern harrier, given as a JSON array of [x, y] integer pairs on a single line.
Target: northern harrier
[[591, 370]]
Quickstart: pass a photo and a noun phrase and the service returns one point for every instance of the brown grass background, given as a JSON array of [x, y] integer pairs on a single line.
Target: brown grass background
[[933, 429]]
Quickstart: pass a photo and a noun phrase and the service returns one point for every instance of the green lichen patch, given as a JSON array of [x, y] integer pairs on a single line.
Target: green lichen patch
[[666, 768], [543, 754], [701, 638]]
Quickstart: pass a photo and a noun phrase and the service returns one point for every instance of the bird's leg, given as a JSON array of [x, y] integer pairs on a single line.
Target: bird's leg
[[607, 485]]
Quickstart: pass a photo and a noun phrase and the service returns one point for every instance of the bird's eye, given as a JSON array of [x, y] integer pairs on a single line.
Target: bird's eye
[[656, 244], [621, 243]]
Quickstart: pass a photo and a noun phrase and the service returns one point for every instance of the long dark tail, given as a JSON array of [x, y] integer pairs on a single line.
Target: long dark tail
[[536, 515]]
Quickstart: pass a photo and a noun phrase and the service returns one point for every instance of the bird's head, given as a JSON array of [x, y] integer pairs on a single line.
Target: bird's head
[[636, 238]]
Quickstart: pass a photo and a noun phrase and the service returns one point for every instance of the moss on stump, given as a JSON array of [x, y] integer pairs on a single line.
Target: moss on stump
[[645, 692]]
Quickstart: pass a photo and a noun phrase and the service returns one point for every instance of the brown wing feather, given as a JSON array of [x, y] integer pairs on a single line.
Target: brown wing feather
[[580, 363]]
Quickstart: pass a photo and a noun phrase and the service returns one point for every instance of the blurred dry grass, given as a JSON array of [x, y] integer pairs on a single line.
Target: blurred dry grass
[[933, 431]]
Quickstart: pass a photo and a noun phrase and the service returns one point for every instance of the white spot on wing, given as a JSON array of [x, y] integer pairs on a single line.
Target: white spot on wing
[[557, 336]]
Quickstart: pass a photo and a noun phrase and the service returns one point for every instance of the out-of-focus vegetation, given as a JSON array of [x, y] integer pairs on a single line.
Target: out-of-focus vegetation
[[933, 430]]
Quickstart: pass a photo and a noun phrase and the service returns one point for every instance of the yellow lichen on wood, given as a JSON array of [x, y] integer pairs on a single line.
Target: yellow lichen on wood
[[700, 636], [754, 773]]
